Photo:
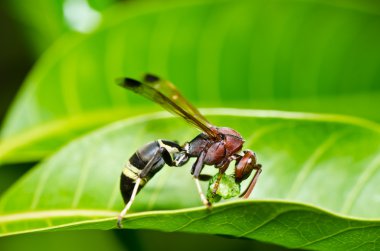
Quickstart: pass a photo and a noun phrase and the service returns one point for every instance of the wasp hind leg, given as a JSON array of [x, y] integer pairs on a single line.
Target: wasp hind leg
[[129, 204], [144, 173], [252, 184]]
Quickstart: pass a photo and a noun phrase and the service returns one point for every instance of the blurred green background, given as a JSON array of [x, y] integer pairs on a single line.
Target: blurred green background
[[314, 56]]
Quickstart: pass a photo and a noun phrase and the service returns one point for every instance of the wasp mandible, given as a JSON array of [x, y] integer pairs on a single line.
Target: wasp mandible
[[217, 146]]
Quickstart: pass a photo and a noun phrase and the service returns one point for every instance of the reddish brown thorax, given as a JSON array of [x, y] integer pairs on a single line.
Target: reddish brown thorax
[[229, 143], [233, 141]]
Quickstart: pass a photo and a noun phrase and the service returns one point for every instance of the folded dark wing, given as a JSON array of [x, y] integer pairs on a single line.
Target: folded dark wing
[[166, 94]]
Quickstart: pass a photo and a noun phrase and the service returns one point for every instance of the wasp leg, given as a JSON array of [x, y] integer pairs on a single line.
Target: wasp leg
[[201, 194], [249, 189], [222, 170], [204, 177], [196, 170], [144, 172], [129, 204], [198, 165]]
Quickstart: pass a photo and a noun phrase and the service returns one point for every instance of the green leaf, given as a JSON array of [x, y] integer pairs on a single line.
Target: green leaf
[[295, 55], [319, 188], [58, 17]]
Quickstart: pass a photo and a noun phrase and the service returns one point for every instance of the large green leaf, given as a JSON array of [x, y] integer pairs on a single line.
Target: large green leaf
[[311, 163], [295, 55]]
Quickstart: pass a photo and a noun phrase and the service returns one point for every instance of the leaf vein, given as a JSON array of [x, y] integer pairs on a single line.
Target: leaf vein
[[262, 131], [69, 90], [360, 184], [114, 56], [311, 162], [192, 220], [335, 234], [83, 177], [40, 187], [272, 217]]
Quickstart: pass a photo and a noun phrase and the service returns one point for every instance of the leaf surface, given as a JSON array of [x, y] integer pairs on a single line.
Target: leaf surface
[[319, 188]]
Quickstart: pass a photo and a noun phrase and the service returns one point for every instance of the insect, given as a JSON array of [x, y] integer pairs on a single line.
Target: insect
[[217, 146]]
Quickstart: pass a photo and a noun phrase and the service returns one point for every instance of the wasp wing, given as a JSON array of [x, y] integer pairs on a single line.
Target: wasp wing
[[166, 94]]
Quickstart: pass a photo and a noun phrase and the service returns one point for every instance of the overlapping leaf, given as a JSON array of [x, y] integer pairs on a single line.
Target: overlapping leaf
[[279, 54], [325, 162]]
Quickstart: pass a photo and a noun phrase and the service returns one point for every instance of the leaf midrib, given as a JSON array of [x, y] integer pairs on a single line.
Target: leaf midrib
[[110, 216], [228, 205]]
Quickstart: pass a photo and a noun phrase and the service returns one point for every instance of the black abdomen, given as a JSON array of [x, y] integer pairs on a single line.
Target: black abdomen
[[126, 187], [133, 168]]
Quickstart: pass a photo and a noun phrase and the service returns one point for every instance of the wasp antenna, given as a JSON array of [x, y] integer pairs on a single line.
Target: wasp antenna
[[150, 78]]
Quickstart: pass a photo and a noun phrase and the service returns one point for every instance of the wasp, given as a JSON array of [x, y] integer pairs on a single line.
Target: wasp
[[217, 146]]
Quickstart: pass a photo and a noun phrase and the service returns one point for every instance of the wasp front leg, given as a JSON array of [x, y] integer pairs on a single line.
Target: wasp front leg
[[222, 169]]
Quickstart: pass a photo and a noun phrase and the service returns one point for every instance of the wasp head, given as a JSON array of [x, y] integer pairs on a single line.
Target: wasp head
[[181, 158]]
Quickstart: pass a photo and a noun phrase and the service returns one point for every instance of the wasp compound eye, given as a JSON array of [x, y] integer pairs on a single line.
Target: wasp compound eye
[[181, 158]]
